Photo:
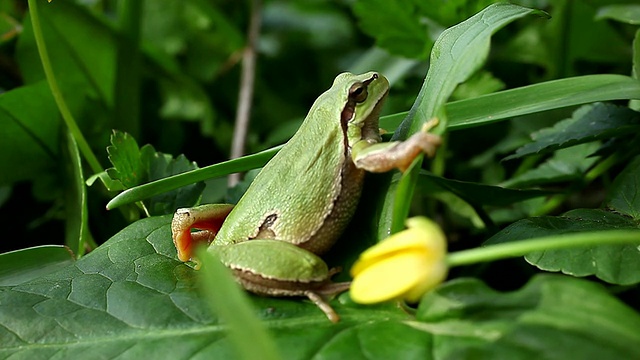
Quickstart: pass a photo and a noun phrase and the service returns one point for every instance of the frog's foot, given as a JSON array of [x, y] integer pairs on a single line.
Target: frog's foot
[[319, 300], [383, 157], [318, 292], [206, 220], [328, 290]]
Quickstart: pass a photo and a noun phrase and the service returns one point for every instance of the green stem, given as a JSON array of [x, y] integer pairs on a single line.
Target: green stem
[[84, 147], [127, 90], [524, 247]]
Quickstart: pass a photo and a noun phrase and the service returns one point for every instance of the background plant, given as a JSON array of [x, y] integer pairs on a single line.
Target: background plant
[[167, 73]]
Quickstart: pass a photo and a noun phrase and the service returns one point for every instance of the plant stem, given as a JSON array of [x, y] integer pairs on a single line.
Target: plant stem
[[247, 78], [126, 106], [84, 147], [524, 247]]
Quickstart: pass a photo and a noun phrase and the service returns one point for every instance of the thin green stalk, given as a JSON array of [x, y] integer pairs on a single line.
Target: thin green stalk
[[84, 147], [524, 247]]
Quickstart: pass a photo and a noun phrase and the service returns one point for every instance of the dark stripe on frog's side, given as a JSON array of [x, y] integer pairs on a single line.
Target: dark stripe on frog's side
[[351, 179]]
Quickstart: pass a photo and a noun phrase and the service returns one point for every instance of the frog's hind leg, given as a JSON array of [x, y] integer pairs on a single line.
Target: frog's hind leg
[[206, 220], [278, 268]]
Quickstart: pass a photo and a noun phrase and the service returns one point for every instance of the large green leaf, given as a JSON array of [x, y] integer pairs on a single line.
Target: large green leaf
[[459, 52], [617, 264], [23, 265], [131, 298], [552, 317]]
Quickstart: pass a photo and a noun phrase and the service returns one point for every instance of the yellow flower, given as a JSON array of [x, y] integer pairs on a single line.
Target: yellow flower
[[403, 266]]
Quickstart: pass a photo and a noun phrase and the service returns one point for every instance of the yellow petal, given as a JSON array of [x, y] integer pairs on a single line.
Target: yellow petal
[[433, 237], [437, 273], [389, 278], [422, 234]]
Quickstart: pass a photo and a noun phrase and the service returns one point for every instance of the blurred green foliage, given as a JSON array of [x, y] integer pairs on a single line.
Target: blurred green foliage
[[524, 158]]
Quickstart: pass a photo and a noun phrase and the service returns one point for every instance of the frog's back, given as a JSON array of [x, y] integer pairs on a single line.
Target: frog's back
[[296, 191]]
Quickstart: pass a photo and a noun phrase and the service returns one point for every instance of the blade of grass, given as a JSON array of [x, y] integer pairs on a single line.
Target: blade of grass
[[231, 304], [83, 145], [173, 182], [76, 222], [503, 105]]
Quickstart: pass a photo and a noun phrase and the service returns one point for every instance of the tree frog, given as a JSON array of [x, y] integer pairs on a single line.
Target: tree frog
[[303, 198]]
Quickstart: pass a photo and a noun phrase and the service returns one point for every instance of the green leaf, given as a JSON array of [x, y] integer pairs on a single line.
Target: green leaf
[[29, 137], [396, 26], [567, 164], [634, 104], [456, 55], [590, 122], [616, 264], [107, 181], [84, 53], [159, 166], [563, 45], [624, 194], [459, 51], [133, 166], [552, 317], [448, 13], [124, 155], [626, 13], [17, 267], [477, 193], [131, 297], [481, 83]]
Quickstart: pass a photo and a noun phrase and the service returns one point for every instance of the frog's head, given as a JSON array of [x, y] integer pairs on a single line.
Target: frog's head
[[361, 97], [352, 105]]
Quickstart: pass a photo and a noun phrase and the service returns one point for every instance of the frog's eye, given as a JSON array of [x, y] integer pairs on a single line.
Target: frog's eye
[[358, 92]]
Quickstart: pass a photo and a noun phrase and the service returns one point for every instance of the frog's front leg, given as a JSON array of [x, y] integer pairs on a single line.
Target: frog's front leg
[[278, 268], [383, 157], [205, 219]]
